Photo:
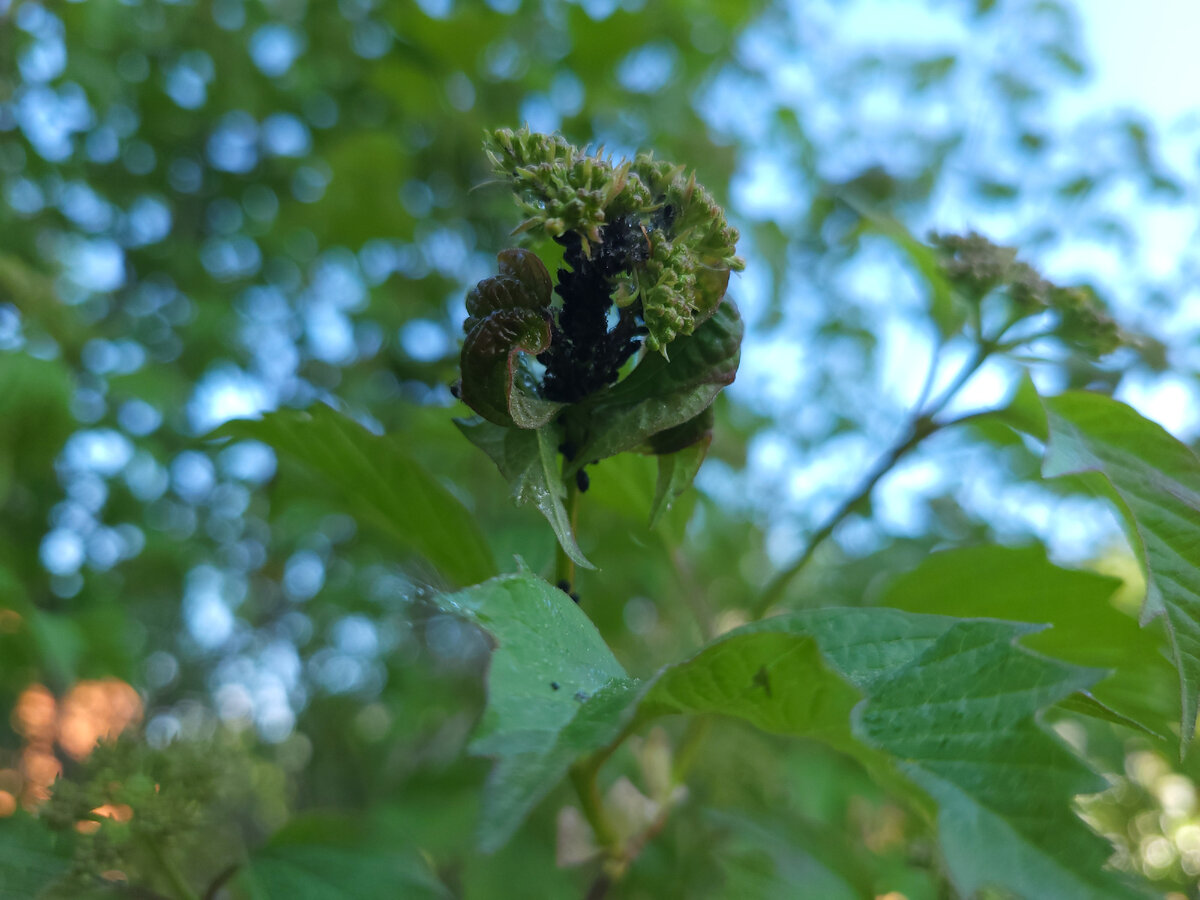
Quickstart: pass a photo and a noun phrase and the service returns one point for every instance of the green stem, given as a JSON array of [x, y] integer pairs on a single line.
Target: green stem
[[978, 358], [919, 427], [584, 776], [917, 431], [689, 747], [1014, 344]]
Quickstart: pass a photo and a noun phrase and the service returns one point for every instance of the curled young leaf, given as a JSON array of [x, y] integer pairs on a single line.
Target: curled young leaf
[[507, 315]]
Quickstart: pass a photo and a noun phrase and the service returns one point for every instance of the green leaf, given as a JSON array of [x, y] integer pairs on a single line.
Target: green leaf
[[961, 720], [554, 692], [35, 408], [762, 860], [676, 472], [508, 315], [681, 451], [528, 460], [378, 480], [60, 643], [660, 394], [29, 861], [1021, 583], [952, 704], [1024, 411], [699, 428], [1156, 481], [328, 859]]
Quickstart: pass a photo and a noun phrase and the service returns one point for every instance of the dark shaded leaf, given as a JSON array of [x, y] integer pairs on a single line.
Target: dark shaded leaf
[[35, 409], [507, 315]]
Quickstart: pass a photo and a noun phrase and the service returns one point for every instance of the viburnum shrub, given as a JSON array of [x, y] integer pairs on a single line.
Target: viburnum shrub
[[944, 692], [629, 357]]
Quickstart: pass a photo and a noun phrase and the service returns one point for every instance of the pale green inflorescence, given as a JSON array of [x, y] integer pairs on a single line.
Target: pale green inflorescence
[[976, 266], [692, 248]]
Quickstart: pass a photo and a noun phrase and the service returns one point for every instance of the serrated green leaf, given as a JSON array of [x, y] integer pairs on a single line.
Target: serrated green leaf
[[379, 481], [1021, 583], [953, 703], [961, 721], [1156, 481], [327, 859], [1085, 704], [950, 703], [29, 860], [555, 692], [528, 459], [660, 394]]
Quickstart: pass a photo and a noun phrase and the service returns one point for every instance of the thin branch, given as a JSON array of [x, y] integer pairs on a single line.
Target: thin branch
[[916, 432], [1029, 339], [584, 773], [930, 377], [919, 427], [970, 367]]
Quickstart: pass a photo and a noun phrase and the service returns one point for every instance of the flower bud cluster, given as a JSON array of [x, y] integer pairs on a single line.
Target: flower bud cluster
[[678, 280], [129, 797], [976, 267], [558, 187]]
